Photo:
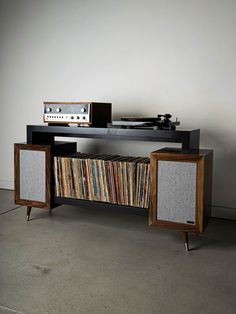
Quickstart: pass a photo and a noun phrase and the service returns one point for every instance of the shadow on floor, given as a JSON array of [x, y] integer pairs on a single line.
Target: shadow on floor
[[220, 233]]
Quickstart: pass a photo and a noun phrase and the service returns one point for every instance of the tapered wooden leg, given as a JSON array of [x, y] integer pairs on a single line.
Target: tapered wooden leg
[[28, 212], [186, 243]]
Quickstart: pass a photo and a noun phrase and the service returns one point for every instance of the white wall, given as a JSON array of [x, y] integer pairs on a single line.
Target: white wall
[[146, 57]]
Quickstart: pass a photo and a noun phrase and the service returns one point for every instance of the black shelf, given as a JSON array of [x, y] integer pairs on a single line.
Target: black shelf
[[43, 134], [80, 202]]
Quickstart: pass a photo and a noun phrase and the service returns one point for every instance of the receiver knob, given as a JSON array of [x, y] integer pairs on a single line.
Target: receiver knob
[[83, 109], [58, 110], [48, 109]]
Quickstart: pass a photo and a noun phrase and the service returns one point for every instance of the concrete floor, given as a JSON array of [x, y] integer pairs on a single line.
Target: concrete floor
[[98, 260]]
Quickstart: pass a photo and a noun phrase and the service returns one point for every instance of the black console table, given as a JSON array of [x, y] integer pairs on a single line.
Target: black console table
[[41, 140], [41, 134]]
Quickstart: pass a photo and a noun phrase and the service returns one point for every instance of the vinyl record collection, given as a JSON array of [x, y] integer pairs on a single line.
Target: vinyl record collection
[[105, 178]]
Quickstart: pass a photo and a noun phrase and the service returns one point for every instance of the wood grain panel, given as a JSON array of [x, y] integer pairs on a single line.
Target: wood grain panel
[[203, 160], [30, 147]]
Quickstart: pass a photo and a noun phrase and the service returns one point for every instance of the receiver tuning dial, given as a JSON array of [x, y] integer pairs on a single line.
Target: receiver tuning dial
[[58, 109], [83, 109]]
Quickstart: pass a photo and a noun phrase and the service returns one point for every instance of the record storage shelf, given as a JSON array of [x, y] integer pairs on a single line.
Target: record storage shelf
[[44, 138], [41, 134], [44, 135]]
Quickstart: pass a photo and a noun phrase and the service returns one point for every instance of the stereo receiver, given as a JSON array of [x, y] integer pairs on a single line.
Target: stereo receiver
[[81, 113]]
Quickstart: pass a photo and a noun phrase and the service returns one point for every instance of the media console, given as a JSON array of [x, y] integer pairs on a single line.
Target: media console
[[188, 181]]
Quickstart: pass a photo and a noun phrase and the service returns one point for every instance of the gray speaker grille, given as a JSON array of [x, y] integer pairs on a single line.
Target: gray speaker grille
[[32, 175], [176, 191]]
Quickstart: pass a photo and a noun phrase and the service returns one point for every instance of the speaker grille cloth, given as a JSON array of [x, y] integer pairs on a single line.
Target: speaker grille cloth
[[32, 175], [176, 191]]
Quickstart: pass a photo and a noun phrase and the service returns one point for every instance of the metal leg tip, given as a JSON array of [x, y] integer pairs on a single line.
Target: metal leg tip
[[28, 217], [186, 247]]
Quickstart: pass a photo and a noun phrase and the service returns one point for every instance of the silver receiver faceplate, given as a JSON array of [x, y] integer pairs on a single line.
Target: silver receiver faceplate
[[78, 113]]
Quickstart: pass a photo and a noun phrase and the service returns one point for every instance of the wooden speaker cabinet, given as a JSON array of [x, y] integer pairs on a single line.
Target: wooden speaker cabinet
[[33, 175], [181, 187], [33, 172]]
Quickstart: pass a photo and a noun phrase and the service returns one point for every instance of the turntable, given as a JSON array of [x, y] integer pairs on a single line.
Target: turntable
[[161, 122]]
